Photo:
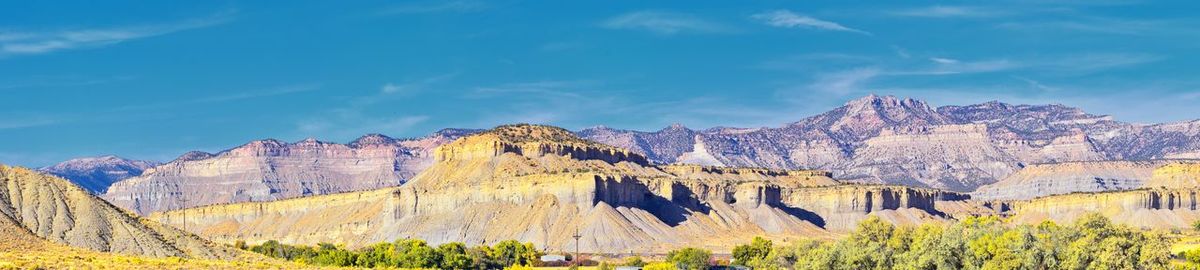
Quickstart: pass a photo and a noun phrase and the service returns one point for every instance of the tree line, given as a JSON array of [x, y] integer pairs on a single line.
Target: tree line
[[405, 253], [1091, 242]]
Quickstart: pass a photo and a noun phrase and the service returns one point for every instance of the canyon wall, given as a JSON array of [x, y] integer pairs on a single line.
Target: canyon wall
[[541, 184]]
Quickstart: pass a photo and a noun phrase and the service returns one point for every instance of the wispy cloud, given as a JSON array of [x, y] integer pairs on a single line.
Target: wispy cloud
[[949, 12], [290, 89], [436, 6], [943, 60], [663, 23], [62, 81], [1107, 25], [788, 19], [1038, 85], [948, 66], [843, 82], [413, 86], [30, 43], [251, 94], [16, 122]]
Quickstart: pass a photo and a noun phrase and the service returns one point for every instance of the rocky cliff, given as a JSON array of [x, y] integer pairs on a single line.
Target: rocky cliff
[[1151, 208], [542, 184], [1041, 180], [52, 209], [874, 139], [885, 139], [269, 169], [1168, 200], [1180, 174], [97, 173]]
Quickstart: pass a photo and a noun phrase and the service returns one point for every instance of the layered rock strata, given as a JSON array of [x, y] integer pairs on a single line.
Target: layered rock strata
[[885, 139], [1041, 180], [542, 184], [269, 169]]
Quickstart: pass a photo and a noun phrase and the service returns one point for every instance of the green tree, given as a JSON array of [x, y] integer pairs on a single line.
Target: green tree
[[511, 252], [758, 249], [634, 261], [690, 258], [454, 256]]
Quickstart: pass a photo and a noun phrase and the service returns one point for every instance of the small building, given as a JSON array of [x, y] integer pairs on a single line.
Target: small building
[[628, 268], [553, 258]]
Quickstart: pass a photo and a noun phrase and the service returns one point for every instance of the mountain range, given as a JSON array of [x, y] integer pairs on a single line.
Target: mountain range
[[542, 184], [874, 139]]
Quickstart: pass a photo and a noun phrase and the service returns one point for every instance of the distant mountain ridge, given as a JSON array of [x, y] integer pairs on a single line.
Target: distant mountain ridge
[[874, 139], [543, 184], [885, 139], [270, 169], [97, 173]]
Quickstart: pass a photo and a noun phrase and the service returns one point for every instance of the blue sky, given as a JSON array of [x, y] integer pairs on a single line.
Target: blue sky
[[151, 80]]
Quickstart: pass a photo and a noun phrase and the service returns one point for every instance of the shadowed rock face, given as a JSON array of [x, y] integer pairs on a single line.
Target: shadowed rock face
[[269, 170], [55, 210], [884, 139], [541, 184], [97, 173]]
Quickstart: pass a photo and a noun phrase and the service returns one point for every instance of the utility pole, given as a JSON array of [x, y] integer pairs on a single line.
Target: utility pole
[[182, 211], [576, 236]]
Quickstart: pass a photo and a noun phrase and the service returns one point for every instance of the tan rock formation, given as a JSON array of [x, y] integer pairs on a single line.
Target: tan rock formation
[[542, 184], [1176, 175], [1041, 180], [1156, 208], [52, 209], [269, 170]]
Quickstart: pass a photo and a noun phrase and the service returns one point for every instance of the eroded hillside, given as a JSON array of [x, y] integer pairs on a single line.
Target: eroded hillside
[[543, 184], [54, 210]]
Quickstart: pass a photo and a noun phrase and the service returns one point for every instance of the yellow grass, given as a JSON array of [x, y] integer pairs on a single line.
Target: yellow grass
[[73, 258]]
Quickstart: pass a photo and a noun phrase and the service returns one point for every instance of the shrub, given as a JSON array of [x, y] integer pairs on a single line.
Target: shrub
[[690, 258]]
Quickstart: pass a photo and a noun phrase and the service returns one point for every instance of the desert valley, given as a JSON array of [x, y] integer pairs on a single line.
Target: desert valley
[[600, 135], [617, 193]]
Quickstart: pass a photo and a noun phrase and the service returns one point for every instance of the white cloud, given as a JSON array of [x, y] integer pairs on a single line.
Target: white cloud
[[843, 82], [16, 122], [28, 43], [415, 85], [787, 19], [1038, 85], [947, 66], [941, 60], [663, 23], [948, 12], [1108, 25]]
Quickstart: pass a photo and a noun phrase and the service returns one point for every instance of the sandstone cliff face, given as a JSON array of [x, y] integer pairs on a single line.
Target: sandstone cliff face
[[55, 210], [541, 184], [1180, 174], [269, 170], [1041, 180], [97, 173], [1156, 208]]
